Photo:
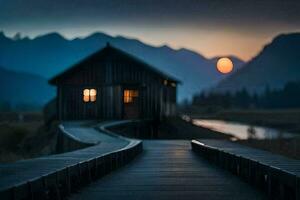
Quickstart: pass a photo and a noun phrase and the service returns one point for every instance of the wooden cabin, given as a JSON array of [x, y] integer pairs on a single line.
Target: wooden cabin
[[112, 84]]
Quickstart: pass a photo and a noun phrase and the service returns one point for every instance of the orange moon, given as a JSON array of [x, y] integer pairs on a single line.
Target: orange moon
[[224, 65]]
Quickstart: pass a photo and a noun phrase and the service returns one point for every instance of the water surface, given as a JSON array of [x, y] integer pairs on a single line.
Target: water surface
[[242, 131]]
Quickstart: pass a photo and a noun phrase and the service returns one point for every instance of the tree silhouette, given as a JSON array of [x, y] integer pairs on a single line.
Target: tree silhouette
[[287, 97]]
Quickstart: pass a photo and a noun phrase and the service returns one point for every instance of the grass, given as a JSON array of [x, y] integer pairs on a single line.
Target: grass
[[12, 137], [24, 139]]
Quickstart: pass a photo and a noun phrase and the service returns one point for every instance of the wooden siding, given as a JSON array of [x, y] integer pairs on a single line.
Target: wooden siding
[[110, 75]]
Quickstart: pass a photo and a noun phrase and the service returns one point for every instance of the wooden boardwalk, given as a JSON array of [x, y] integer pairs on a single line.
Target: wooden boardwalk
[[55, 176], [168, 170], [277, 175]]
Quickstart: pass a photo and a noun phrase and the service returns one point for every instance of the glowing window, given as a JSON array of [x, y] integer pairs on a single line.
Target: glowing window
[[93, 94], [86, 95], [89, 95], [129, 95]]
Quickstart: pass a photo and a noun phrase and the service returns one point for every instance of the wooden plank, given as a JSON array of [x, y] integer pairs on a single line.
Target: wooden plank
[[169, 170], [277, 175], [55, 175]]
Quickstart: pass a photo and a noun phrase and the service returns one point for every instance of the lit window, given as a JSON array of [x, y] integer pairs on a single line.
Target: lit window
[[173, 84], [86, 95], [89, 95], [129, 95], [93, 94], [165, 82]]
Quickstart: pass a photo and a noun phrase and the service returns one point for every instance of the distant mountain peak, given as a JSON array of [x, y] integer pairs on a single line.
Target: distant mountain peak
[[164, 46], [53, 36], [17, 36], [97, 35], [186, 51], [282, 41], [227, 56], [275, 65], [3, 38], [285, 36]]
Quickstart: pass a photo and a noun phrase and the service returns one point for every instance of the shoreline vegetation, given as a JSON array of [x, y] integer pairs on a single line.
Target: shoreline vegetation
[[283, 119], [24, 136]]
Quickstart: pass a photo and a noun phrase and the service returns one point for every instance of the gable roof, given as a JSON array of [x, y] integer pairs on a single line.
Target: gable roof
[[101, 52]]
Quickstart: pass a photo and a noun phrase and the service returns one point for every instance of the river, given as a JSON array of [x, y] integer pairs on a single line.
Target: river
[[242, 131]]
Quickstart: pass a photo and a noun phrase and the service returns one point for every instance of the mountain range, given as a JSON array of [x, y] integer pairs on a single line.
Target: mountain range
[[24, 88], [276, 64], [29, 63], [50, 54]]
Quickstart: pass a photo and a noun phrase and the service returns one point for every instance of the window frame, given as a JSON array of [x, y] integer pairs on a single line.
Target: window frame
[[129, 95], [89, 98]]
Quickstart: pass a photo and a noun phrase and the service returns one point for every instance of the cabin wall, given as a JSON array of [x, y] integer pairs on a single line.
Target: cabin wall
[[155, 102], [108, 103], [110, 77], [168, 101]]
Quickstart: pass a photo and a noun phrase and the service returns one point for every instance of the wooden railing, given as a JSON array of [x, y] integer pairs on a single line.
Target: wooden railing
[[67, 142], [60, 182], [278, 176]]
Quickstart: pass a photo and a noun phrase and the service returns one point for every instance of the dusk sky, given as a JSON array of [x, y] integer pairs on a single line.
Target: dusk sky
[[210, 27]]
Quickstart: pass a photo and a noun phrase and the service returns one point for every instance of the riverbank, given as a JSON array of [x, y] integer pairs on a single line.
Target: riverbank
[[284, 119], [177, 128], [289, 147], [288, 120], [171, 128]]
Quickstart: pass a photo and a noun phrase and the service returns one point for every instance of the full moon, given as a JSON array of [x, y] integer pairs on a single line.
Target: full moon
[[224, 65]]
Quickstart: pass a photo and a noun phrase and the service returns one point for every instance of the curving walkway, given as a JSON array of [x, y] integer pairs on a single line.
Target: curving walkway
[[168, 170], [90, 132], [21, 172]]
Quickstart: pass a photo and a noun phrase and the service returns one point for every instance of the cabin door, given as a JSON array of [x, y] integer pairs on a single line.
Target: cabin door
[[131, 103]]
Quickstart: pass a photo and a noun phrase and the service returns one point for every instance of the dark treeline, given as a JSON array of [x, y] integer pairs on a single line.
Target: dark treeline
[[288, 97]]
